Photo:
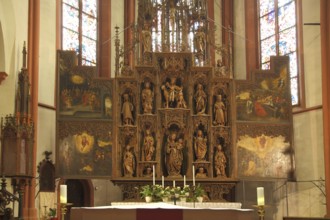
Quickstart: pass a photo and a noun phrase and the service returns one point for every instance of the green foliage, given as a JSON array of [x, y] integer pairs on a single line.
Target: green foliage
[[52, 212]]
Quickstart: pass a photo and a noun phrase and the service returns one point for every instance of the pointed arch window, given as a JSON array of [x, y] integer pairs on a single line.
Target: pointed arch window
[[278, 37], [79, 29]]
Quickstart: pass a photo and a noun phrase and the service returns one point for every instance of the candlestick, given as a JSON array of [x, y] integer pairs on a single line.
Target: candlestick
[[153, 175], [184, 180], [193, 170], [163, 182], [63, 193], [260, 196]]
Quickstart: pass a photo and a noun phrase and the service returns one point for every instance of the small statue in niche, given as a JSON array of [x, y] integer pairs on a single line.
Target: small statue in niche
[[199, 40], [201, 173], [200, 146], [220, 162], [148, 146], [146, 38], [200, 99], [174, 154], [181, 103], [147, 172], [127, 110], [147, 96], [129, 161], [170, 92], [219, 111]]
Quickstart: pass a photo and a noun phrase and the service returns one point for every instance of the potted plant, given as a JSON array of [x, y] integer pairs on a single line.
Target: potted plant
[[52, 214], [147, 192], [198, 193], [166, 193]]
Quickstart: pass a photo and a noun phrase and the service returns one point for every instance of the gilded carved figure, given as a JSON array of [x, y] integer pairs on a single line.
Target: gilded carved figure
[[174, 154], [148, 146], [200, 146], [199, 40], [220, 162], [146, 39], [129, 162], [127, 110], [147, 96], [219, 111], [172, 93], [200, 99]]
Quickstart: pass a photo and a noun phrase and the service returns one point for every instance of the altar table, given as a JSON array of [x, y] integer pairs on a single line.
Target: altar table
[[159, 211]]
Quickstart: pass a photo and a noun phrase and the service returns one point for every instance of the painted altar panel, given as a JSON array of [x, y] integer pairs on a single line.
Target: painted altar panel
[[80, 93], [264, 151], [267, 97], [84, 149]]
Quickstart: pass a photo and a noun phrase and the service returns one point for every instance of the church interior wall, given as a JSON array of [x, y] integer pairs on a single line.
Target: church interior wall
[[239, 40]]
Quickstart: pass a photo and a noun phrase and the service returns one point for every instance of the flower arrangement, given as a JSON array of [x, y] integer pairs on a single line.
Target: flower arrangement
[[146, 190], [198, 191], [158, 192], [185, 190]]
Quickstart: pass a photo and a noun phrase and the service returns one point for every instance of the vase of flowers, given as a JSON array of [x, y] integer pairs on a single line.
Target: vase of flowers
[[146, 192], [198, 193]]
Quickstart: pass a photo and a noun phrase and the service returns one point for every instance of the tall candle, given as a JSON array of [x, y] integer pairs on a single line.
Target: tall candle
[[193, 171], [63, 194], [260, 196], [163, 182], [184, 180], [173, 183], [153, 175]]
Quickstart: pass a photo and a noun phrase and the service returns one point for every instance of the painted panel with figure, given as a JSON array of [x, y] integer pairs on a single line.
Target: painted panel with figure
[[264, 151], [80, 95], [267, 97], [85, 149]]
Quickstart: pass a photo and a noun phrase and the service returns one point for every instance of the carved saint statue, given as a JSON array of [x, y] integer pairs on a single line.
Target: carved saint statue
[[174, 154], [219, 111], [199, 40], [220, 162], [127, 110], [200, 99], [148, 146], [146, 38], [200, 146], [147, 96], [129, 161]]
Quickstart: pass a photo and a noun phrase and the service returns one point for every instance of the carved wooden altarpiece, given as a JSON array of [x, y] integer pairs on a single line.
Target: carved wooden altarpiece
[[173, 111]]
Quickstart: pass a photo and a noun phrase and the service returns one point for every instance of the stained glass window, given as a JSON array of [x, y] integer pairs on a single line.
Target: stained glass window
[[277, 25], [79, 29]]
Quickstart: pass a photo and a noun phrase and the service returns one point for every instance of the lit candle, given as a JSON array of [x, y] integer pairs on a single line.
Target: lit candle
[[184, 180], [63, 194], [260, 196], [193, 170], [163, 182], [173, 183], [153, 175]]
